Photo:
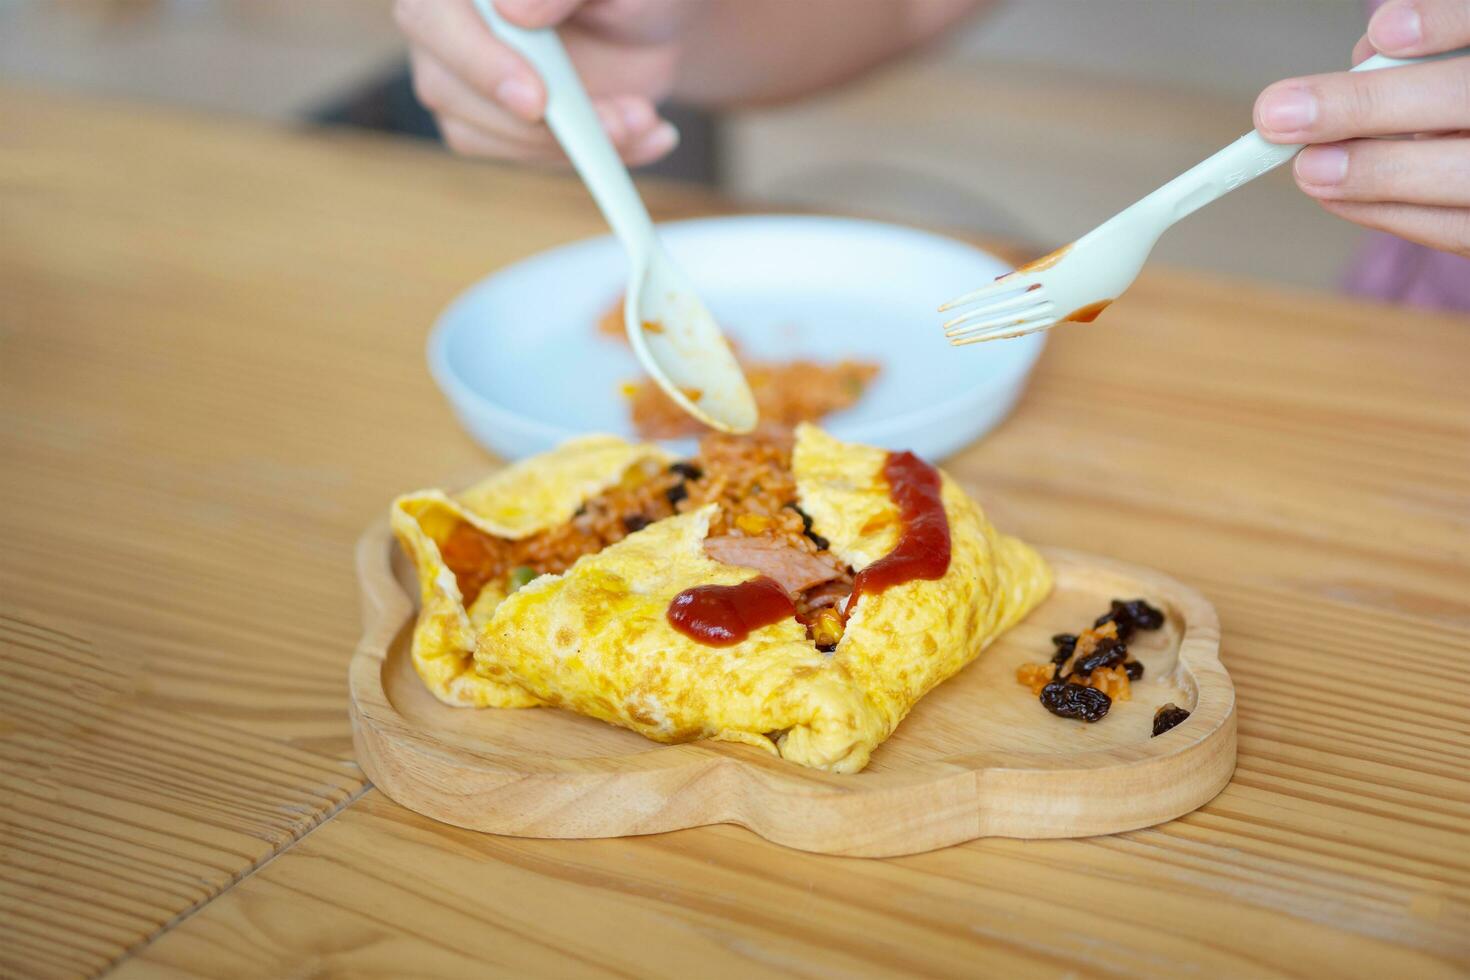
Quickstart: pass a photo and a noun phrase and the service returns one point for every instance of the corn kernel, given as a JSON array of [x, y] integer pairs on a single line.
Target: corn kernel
[[753, 523], [827, 627]]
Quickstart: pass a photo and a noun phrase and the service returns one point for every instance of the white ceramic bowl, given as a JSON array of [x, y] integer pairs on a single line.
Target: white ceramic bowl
[[521, 361]]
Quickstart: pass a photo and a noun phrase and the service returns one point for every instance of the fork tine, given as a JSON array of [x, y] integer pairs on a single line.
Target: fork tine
[[1022, 299], [1003, 283], [1000, 334], [988, 319]]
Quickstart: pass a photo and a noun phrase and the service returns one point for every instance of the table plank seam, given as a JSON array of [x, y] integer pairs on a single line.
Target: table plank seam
[[65, 785], [238, 879]]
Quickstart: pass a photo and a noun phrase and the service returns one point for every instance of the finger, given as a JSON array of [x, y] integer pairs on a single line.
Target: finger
[[444, 93], [1322, 108], [1432, 172], [537, 13], [454, 33], [1446, 229], [468, 139], [1406, 28], [656, 145], [628, 119], [471, 141], [631, 124]]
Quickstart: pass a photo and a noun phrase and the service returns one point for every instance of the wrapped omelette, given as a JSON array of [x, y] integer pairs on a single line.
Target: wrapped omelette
[[795, 594]]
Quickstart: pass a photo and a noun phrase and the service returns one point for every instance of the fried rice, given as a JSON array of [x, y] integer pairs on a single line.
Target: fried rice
[[786, 392]]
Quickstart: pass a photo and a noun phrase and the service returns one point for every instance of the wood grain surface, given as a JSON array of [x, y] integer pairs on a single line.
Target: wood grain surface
[[119, 816], [212, 375], [977, 757]]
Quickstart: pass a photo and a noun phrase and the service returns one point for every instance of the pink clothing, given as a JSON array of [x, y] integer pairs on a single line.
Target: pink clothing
[[1389, 268]]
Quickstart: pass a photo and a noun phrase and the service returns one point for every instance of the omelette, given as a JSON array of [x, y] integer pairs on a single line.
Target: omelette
[[795, 593]]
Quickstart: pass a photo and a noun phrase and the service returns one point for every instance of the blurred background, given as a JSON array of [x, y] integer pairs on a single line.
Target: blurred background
[[1033, 124]]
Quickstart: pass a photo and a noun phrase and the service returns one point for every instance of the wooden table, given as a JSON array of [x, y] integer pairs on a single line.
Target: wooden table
[[211, 378]]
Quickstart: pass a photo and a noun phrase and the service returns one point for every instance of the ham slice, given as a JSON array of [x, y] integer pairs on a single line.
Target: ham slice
[[794, 569], [828, 595]]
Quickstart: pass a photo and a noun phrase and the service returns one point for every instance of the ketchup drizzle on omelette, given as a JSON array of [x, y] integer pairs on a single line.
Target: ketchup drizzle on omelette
[[923, 547], [723, 615]]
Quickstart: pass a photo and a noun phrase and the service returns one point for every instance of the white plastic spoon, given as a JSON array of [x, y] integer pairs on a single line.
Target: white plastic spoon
[[672, 333]]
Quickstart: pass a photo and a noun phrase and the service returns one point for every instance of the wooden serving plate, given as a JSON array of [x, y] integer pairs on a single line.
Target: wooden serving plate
[[977, 757]]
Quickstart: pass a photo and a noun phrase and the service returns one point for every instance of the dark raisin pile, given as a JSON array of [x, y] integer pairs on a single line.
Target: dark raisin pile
[[1068, 696], [1167, 717]]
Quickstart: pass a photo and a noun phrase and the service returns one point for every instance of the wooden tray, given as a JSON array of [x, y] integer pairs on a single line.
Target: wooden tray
[[977, 757]]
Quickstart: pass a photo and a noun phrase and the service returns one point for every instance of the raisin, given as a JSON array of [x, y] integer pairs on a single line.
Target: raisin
[[1167, 717], [1066, 644], [635, 522], [1107, 653], [580, 511], [1125, 626], [1075, 701], [1144, 616], [1130, 616], [676, 493], [687, 470], [1134, 669]]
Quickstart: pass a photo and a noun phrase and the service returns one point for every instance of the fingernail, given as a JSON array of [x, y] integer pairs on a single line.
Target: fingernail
[[659, 142], [518, 94], [1396, 27], [1322, 165], [1289, 110], [522, 11]]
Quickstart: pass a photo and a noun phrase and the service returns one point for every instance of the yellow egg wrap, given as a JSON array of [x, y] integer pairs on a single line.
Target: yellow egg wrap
[[596, 640], [514, 503]]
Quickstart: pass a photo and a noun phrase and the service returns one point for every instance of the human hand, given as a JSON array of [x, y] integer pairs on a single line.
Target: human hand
[[490, 102], [1417, 188]]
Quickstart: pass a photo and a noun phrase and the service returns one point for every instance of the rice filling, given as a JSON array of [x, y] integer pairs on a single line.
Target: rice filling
[[759, 525]]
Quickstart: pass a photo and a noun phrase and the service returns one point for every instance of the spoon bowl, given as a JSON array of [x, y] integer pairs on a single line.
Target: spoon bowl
[[668, 325]]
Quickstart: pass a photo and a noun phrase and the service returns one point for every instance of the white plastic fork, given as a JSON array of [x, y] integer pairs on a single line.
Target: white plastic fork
[[1078, 281]]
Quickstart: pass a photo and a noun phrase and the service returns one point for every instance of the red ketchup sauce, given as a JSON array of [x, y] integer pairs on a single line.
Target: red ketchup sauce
[[723, 615], [923, 549]]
